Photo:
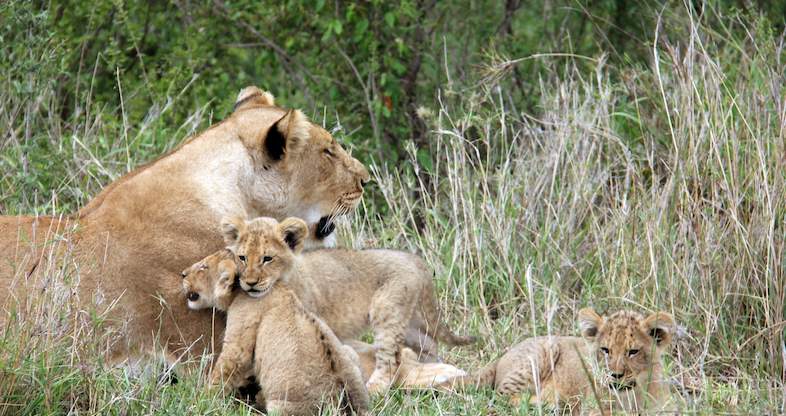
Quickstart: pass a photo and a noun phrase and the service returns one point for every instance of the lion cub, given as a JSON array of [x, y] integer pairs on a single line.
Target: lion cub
[[617, 360], [352, 290], [296, 357]]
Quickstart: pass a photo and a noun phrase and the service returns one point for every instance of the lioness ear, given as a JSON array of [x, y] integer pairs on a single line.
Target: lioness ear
[[589, 323], [286, 135], [660, 326], [252, 96], [294, 232], [231, 227]]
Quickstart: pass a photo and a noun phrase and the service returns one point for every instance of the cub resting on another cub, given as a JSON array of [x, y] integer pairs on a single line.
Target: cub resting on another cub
[[296, 357], [211, 283], [351, 290], [622, 353]]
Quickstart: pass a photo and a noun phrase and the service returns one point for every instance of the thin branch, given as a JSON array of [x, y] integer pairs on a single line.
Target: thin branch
[[286, 60], [366, 92]]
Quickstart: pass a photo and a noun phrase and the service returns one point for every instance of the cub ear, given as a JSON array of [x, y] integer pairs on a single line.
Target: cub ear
[[294, 232], [286, 135], [231, 227], [660, 326], [226, 279], [252, 96], [589, 323]]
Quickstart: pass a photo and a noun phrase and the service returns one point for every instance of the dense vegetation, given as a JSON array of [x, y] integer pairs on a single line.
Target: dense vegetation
[[541, 157]]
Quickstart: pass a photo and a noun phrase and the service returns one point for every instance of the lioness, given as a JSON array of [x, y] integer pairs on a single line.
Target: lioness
[[618, 358], [351, 290], [211, 283], [133, 239]]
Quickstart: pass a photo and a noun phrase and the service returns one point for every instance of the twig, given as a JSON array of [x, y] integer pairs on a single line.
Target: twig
[[286, 60]]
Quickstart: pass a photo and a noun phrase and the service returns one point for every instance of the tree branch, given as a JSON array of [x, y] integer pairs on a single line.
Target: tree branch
[[286, 60]]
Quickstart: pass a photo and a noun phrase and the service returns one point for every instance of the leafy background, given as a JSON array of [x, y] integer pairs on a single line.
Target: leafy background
[[542, 157]]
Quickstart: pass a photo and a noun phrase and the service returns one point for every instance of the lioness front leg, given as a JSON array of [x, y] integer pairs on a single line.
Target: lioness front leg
[[390, 313]]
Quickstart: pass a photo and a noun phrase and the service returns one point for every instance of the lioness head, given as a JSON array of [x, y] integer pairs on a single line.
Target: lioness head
[[208, 282], [313, 176], [627, 343], [265, 248]]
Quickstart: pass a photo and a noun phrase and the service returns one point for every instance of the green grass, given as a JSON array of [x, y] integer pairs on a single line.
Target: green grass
[[653, 188]]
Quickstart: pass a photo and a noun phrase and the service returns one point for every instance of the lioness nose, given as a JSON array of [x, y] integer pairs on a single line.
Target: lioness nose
[[361, 171], [364, 182], [617, 376]]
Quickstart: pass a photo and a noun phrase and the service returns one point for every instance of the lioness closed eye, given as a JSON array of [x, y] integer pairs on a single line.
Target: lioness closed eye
[[622, 353], [352, 290]]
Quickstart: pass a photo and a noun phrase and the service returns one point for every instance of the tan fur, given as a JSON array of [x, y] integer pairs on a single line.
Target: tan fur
[[410, 372], [350, 290], [133, 239], [211, 281], [561, 369], [296, 358]]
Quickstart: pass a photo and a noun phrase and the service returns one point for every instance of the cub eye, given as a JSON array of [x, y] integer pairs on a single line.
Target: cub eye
[[242, 259], [267, 259], [631, 353], [604, 350], [193, 296], [329, 152]]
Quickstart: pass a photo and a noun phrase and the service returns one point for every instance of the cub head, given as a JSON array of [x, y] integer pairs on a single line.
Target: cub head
[[626, 344], [265, 248], [209, 282], [313, 177]]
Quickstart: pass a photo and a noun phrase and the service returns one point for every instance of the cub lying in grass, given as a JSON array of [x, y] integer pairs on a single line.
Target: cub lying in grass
[[617, 360], [352, 290], [296, 357]]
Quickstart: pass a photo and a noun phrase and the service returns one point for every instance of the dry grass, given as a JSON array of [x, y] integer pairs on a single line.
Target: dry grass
[[658, 188]]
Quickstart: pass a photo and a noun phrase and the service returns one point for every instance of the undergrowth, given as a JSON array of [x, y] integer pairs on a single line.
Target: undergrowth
[[656, 187]]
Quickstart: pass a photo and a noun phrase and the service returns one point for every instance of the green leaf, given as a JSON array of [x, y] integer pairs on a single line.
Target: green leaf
[[398, 67], [390, 19], [360, 28], [424, 159]]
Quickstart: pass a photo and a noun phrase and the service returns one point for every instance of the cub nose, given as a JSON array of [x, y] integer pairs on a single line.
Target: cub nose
[[364, 182], [617, 376]]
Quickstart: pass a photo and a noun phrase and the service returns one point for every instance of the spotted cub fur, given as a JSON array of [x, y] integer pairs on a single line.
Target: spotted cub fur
[[617, 360]]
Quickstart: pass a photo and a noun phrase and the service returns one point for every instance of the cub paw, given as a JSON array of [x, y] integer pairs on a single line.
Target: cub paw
[[379, 382]]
